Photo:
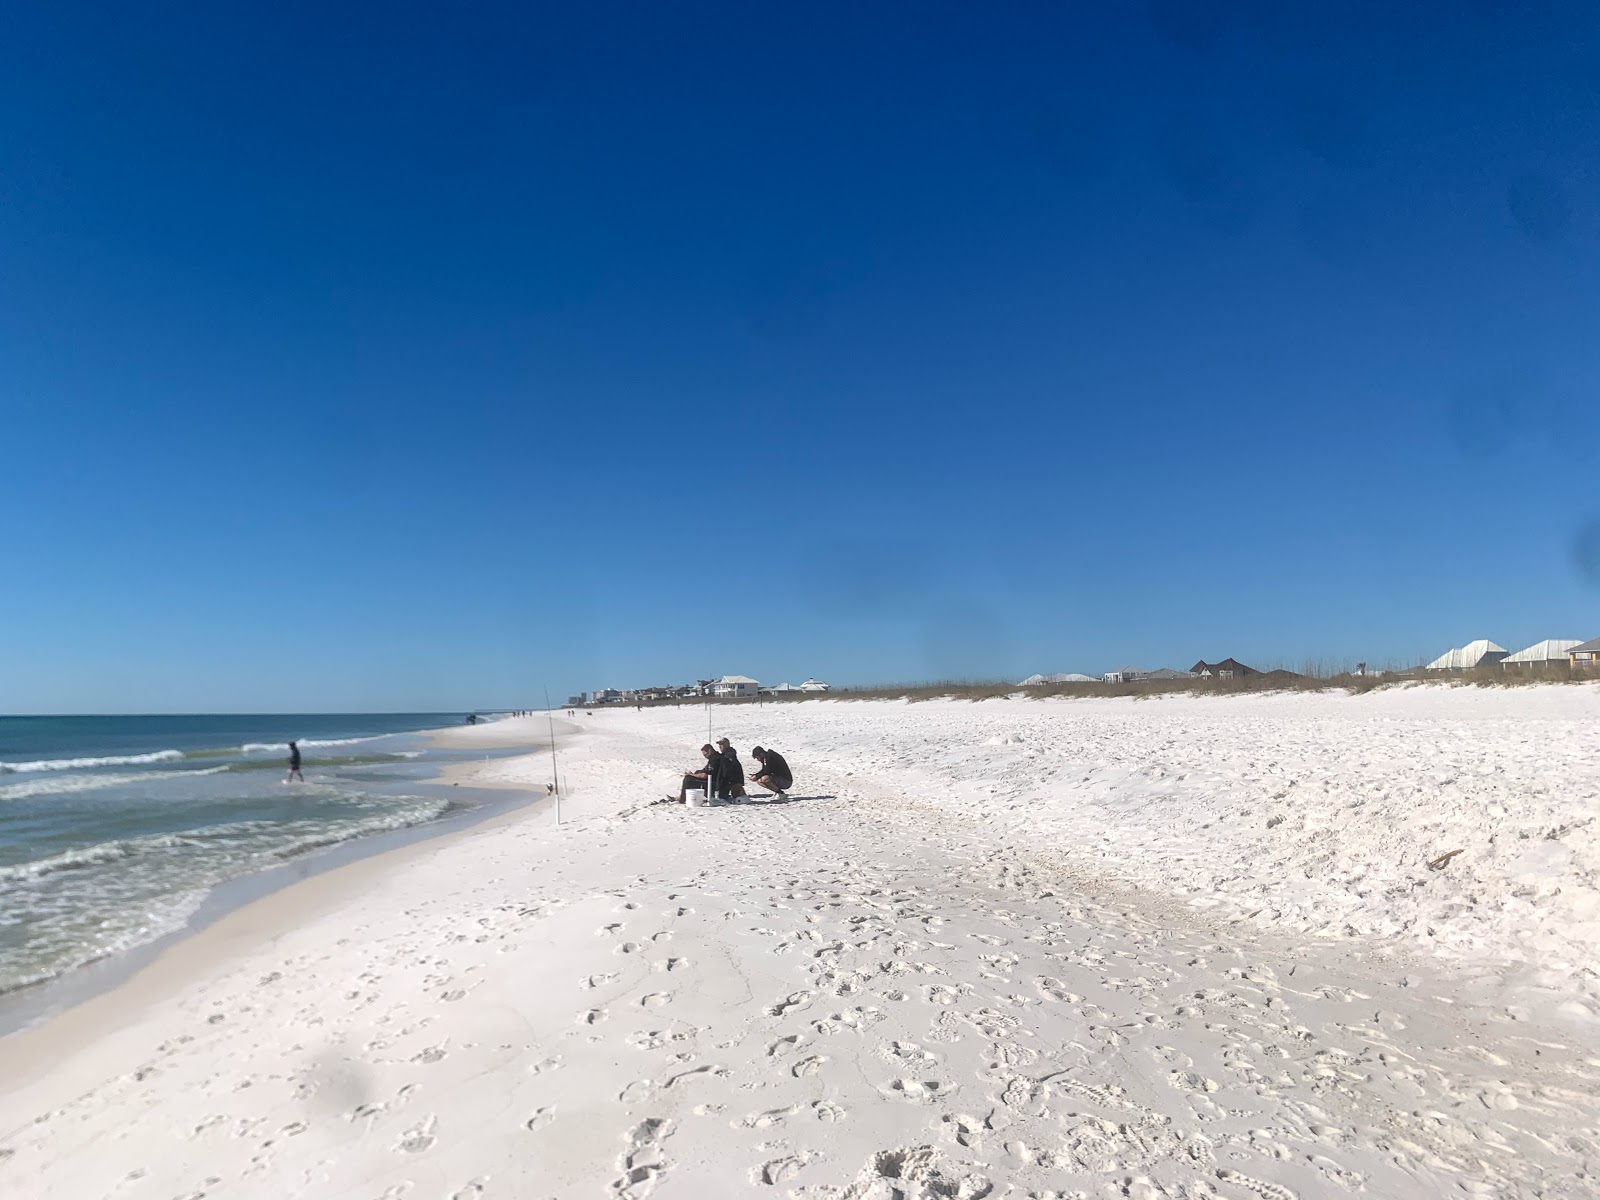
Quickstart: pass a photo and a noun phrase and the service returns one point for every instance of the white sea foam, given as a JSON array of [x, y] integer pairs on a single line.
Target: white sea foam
[[297, 838], [267, 747], [86, 856], [80, 764], [61, 785]]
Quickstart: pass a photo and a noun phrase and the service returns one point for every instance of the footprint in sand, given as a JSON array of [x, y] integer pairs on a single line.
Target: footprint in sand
[[419, 1137], [655, 999], [541, 1117], [641, 1161], [1056, 990], [779, 1170], [963, 1130], [808, 1066], [783, 1045], [906, 1051], [766, 1120], [827, 1112], [593, 1017], [794, 1000], [917, 1091]]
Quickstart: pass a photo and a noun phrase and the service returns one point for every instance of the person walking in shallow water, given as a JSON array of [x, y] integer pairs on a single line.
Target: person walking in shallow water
[[294, 763]]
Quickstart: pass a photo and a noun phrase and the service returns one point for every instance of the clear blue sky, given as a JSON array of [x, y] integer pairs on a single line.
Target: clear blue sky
[[412, 357]]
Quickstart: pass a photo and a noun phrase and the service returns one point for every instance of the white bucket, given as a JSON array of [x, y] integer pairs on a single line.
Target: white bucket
[[698, 800]]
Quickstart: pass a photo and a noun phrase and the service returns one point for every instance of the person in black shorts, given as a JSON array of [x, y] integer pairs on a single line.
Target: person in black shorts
[[702, 780], [774, 774], [294, 763]]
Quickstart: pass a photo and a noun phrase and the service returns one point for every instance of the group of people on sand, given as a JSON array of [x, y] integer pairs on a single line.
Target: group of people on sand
[[723, 774]]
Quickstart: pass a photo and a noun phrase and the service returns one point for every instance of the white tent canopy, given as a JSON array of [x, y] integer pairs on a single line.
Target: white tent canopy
[[1481, 653], [1551, 650]]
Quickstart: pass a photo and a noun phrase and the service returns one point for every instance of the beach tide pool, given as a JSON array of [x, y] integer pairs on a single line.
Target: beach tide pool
[[113, 829]]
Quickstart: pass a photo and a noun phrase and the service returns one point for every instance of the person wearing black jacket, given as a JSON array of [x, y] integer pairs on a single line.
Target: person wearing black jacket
[[774, 775], [730, 778], [706, 780]]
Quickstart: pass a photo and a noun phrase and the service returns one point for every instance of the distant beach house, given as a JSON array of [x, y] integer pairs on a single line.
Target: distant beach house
[[1126, 675], [1066, 677], [1228, 668], [735, 686], [605, 696], [1585, 656], [1481, 653], [813, 685], [1169, 673], [1549, 653], [780, 689]]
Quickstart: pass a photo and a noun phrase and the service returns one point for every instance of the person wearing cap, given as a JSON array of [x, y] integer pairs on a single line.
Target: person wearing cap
[[730, 776], [774, 775]]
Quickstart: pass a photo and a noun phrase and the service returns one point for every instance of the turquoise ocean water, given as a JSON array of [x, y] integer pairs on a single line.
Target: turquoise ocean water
[[113, 829]]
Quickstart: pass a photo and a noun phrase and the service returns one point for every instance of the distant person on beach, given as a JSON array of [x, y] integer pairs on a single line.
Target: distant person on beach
[[774, 775], [731, 776], [294, 763], [706, 781]]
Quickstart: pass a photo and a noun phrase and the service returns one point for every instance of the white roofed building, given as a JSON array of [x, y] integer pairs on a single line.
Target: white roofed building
[[813, 685], [735, 686], [1552, 652], [1481, 653]]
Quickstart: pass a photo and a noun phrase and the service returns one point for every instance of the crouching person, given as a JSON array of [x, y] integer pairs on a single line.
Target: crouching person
[[774, 774]]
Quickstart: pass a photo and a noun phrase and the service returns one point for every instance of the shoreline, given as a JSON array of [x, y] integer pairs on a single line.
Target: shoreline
[[39, 1006]]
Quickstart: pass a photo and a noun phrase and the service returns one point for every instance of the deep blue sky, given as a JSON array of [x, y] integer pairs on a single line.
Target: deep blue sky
[[415, 357]]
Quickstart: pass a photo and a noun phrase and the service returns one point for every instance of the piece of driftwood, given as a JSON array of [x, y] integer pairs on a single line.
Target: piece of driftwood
[[1443, 859]]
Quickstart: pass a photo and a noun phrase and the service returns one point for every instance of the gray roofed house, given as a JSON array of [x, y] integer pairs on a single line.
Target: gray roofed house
[[1585, 656]]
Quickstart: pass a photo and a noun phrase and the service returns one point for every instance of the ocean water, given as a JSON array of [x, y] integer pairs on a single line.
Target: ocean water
[[113, 829]]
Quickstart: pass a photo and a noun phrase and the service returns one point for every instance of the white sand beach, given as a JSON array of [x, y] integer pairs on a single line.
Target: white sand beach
[[1187, 947]]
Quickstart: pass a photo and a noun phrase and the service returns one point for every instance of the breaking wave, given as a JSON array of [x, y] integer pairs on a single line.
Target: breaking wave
[[65, 785], [264, 747], [80, 764]]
